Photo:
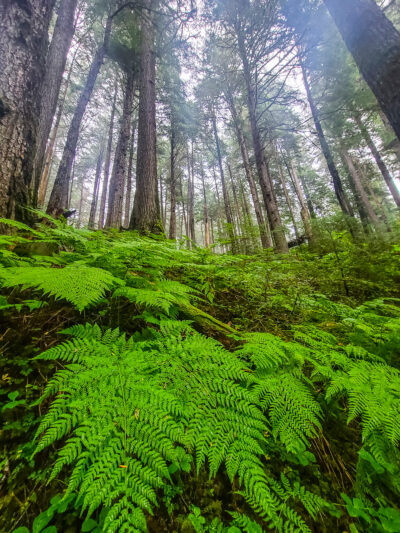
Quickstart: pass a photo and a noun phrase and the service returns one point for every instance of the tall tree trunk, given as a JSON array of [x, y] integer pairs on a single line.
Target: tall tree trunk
[[337, 182], [240, 221], [360, 191], [377, 201], [44, 179], [190, 159], [379, 161], [374, 43], [265, 241], [394, 145], [271, 205], [146, 210], [288, 200], [95, 199], [172, 219], [228, 212], [107, 161], [55, 64], [183, 206], [59, 195], [304, 212], [205, 209], [117, 181], [23, 46], [129, 180]]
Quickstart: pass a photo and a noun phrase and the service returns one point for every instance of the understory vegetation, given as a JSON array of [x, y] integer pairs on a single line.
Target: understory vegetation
[[146, 386]]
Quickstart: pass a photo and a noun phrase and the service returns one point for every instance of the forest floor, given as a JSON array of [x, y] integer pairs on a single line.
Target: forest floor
[[300, 353]]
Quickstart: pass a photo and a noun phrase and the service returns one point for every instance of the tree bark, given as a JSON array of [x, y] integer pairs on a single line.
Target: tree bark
[[146, 209], [129, 180], [360, 191], [379, 161], [228, 212], [288, 200], [265, 241], [59, 195], [44, 178], [95, 199], [172, 219], [118, 175], [55, 64], [107, 161], [205, 209], [337, 182], [190, 162], [304, 212], [23, 46], [271, 206], [374, 43]]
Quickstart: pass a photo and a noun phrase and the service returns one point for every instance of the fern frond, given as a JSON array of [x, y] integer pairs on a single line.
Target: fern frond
[[79, 284]]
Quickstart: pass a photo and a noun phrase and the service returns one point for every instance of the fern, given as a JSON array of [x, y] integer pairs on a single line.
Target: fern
[[128, 407], [79, 284]]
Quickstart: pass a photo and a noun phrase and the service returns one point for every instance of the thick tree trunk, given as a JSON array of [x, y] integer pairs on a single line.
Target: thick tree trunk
[[118, 175], [337, 182], [146, 210], [129, 180], [265, 241], [172, 219], [228, 212], [360, 191], [23, 46], [95, 199], [271, 206], [374, 43], [379, 161], [107, 163], [59, 195], [55, 65]]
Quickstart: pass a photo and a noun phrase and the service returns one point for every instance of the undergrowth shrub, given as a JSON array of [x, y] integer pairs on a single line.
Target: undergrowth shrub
[[155, 387]]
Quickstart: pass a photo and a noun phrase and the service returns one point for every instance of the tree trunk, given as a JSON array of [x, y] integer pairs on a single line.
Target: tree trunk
[[360, 191], [172, 220], [374, 43], [205, 209], [337, 182], [265, 241], [379, 161], [304, 212], [44, 179], [129, 181], [55, 64], [59, 194], [192, 232], [95, 199], [107, 161], [146, 210], [228, 212], [288, 200], [271, 206], [394, 145], [118, 175], [23, 46]]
